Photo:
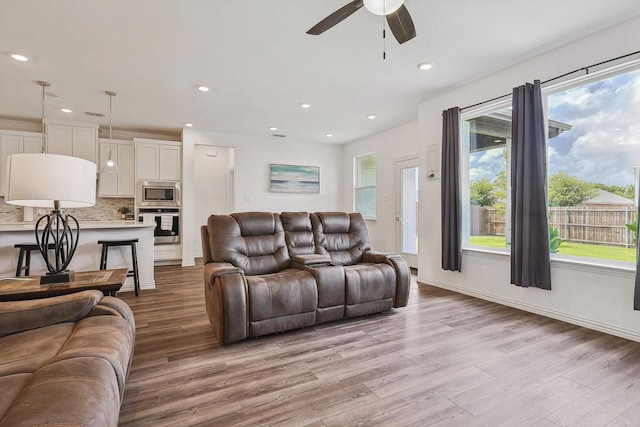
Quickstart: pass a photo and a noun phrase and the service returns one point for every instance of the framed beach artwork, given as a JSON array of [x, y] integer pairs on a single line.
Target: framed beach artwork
[[294, 179]]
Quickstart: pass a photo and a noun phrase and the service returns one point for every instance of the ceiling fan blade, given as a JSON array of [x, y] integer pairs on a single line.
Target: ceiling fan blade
[[336, 17], [401, 25]]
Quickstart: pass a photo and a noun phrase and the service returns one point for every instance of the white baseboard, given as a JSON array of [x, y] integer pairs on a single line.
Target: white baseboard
[[554, 314]]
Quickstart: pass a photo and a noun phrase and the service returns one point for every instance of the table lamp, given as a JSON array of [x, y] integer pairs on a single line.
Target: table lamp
[[42, 180]]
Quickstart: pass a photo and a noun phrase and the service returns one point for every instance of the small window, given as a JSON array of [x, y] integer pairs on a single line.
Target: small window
[[487, 139], [365, 190]]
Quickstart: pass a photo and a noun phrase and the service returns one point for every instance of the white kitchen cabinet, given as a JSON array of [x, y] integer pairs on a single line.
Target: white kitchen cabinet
[[73, 140], [158, 160], [16, 143], [123, 183]]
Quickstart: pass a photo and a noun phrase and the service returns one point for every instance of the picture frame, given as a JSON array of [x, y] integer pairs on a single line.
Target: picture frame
[[294, 179]]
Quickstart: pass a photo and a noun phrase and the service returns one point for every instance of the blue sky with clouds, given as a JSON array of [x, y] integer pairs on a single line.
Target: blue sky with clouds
[[604, 141]]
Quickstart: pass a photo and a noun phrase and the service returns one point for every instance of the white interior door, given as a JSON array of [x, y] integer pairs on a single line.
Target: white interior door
[[407, 186]]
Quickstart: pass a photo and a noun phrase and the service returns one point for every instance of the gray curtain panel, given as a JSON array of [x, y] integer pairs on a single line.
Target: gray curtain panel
[[530, 264], [451, 209], [636, 297]]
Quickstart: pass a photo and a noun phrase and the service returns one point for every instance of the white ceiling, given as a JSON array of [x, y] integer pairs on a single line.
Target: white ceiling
[[260, 64]]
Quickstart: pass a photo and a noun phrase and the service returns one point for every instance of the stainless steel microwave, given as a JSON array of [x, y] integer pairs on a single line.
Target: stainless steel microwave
[[158, 193]]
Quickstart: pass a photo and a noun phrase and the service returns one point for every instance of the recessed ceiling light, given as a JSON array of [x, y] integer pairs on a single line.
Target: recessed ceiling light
[[189, 125], [203, 89], [19, 57], [273, 128], [371, 116], [328, 135], [305, 105], [65, 110], [424, 66]]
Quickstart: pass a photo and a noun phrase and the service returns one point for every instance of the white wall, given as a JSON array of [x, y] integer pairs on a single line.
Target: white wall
[[252, 156], [597, 297]]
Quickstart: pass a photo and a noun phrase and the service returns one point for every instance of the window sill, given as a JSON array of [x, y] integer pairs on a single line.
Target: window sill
[[596, 266]]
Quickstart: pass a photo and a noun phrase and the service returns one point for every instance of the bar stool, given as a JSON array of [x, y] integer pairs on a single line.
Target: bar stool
[[106, 244], [24, 257]]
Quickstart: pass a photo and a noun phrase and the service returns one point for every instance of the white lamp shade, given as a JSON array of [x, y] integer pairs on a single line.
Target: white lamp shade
[[37, 179], [382, 7]]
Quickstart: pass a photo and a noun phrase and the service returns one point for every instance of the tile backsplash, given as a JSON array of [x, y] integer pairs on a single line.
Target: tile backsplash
[[105, 209]]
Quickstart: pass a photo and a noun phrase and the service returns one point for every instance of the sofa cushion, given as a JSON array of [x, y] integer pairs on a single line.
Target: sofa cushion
[[106, 337], [342, 236], [252, 241], [75, 392], [298, 233], [26, 352], [281, 294], [369, 282], [11, 386]]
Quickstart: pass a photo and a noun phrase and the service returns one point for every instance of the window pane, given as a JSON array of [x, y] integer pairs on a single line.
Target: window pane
[[409, 237], [488, 137], [366, 198], [365, 186], [366, 171], [594, 142]]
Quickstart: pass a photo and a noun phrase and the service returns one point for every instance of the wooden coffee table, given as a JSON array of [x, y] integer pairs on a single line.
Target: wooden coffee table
[[29, 287]]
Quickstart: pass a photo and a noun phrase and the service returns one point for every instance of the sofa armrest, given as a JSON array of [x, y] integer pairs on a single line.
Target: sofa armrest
[[217, 269], [403, 273], [115, 307], [310, 260], [20, 316], [225, 292]]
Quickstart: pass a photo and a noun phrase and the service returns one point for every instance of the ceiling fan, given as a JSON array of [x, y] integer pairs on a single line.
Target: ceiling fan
[[397, 15]]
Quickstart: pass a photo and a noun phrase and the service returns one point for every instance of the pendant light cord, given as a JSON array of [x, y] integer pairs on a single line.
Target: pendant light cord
[[110, 120], [43, 147]]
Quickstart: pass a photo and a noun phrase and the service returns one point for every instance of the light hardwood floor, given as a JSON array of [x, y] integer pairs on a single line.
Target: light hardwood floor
[[445, 359]]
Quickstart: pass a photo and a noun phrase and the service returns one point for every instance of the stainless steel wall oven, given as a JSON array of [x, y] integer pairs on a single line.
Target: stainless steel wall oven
[[167, 223]]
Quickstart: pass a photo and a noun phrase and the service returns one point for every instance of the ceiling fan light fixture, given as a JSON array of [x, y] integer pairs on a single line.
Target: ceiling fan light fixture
[[383, 7]]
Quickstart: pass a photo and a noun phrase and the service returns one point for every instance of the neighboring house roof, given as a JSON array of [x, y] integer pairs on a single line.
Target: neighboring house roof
[[606, 198]]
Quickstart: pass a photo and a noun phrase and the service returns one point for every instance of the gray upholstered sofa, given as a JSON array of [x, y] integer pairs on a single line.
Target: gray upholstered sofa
[[64, 360], [266, 272]]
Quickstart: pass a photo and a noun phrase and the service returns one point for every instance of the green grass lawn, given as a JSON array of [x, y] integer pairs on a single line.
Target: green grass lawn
[[568, 248]]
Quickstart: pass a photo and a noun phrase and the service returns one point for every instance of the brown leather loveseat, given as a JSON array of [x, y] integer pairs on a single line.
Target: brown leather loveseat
[[64, 360], [266, 272]]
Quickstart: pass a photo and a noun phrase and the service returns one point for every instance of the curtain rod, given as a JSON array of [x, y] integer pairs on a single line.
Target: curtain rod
[[557, 77]]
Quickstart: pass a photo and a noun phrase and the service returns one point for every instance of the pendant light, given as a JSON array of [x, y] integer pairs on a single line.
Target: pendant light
[[110, 165]]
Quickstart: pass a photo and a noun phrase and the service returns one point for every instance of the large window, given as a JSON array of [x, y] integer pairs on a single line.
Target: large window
[[591, 186], [365, 186], [593, 165]]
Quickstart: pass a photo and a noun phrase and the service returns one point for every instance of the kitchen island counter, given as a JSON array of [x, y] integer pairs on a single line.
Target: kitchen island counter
[[87, 256], [84, 225]]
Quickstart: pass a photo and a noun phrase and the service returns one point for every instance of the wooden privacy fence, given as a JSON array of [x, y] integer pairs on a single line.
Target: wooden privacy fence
[[582, 225]]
